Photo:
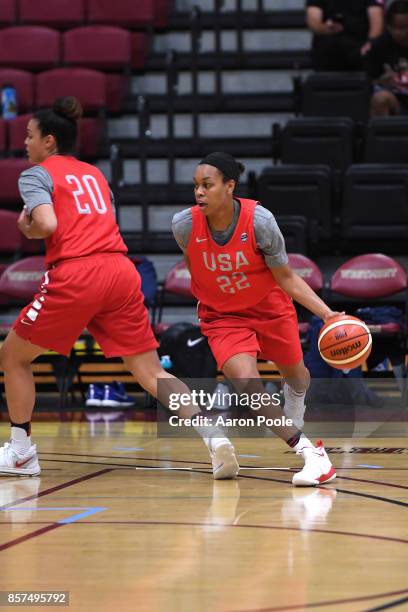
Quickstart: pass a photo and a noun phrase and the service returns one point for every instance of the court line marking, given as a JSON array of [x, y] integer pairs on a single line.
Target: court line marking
[[367, 495], [319, 604], [52, 526], [351, 534], [387, 606], [242, 467], [198, 471], [63, 485], [87, 511]]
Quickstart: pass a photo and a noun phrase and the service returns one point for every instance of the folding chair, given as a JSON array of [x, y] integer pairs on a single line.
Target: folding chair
[[175, 291]]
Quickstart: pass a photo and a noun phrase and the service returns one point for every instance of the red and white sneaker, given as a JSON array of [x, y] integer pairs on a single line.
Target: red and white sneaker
[[12, 463], [317, 469]]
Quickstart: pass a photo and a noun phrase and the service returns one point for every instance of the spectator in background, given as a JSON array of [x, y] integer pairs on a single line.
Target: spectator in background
[[387, 64], [343, 31]]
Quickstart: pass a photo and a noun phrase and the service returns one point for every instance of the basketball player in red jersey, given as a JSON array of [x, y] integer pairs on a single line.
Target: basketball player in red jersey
[[241, 277], [90, 283]]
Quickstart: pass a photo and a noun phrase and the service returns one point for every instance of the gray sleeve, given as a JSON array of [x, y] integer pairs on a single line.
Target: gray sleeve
[[182, 226], [36, 187], [269, 238]]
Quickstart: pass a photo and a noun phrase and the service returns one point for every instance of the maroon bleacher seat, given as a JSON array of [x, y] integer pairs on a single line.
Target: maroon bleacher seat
[[100, 47], [89, 86], [306, 269], [178, 280], [140, 46], [52, 13], [129, 13], [89, 135], [372, 280], [3, 136], [17, 132], [161, 11], [23, 82], [369, 276], [21, 280], [8, 12], [10, 235], [30, 47], [177, 283], [10, 170]]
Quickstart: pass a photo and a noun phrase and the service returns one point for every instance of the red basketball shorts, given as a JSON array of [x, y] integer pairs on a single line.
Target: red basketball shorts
[[101, 293], [268, 330]]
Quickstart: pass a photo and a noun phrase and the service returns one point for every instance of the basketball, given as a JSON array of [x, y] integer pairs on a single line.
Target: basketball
[[344, 342]]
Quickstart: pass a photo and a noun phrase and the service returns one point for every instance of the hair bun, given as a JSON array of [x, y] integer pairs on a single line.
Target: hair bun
[[68, 107]]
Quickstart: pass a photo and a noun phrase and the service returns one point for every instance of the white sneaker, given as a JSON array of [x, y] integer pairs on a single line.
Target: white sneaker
[[224, 461], [294, 407], [317, 469], [12, 463]]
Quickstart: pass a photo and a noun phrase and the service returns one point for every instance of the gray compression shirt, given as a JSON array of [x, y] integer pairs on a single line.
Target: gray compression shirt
[[268, 236]]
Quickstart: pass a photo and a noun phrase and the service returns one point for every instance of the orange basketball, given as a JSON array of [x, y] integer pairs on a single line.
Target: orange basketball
[[345, 342]]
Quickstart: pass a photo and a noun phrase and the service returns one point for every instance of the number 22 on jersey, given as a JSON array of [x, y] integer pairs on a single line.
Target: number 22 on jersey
[[87, 188]]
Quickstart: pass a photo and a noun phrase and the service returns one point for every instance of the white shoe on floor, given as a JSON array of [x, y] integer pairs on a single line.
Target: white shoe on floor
[[224, 462], [294, 407], [318, 468], [12, 463]]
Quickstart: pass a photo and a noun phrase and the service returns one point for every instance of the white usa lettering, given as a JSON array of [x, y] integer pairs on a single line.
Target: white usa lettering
[[224, 262]]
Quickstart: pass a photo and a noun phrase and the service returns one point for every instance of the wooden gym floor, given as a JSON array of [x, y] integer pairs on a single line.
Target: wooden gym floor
[[125, 521]]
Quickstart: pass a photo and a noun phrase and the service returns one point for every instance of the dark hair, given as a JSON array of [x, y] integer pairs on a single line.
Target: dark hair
[[398, 7], [61, 121], [229, 167]]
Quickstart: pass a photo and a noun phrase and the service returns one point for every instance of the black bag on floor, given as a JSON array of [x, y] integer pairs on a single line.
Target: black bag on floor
[[188, 353]]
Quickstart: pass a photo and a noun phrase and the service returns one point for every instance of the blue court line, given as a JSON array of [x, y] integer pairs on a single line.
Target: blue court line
[[371, 467], [71, 519]]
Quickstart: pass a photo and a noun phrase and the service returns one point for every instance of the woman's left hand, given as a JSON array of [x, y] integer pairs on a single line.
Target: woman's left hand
[[24, 222]]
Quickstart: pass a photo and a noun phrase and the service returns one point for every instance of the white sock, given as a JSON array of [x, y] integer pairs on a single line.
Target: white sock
[[20, 442], [212, 436], [303, 443], [292, 395]]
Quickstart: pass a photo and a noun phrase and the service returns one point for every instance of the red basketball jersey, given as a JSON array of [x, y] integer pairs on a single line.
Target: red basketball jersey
[[230, 277], [83, 207]]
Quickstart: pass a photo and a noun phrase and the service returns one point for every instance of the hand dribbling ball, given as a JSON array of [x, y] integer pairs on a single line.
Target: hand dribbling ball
[[344, 342]]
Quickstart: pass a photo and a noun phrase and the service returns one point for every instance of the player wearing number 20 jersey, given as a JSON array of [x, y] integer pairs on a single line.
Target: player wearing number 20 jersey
[[90, 283], [82, 203]]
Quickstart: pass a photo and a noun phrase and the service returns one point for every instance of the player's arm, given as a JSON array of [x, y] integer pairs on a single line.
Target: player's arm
[[41, 224], [315, 22], [37, 219], [271, 243], [376, 21], [181, 226], [376, 26], [300, 291]]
